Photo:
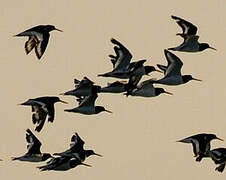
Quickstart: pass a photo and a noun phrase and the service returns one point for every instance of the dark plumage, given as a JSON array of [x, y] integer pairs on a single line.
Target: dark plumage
[[41, 107], [34, 154], [38, 38], [219, 157], [201, 144], [190, 43]]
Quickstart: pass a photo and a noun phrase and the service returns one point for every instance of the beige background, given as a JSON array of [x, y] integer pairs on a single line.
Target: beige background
[[138, 139]]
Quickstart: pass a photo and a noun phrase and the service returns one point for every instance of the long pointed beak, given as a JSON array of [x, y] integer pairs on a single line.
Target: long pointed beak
[[220, 139], [64, 102], [108, 111], [213, 48], [168, 93], [61, 94], [58, 30], [98, 155], [86, 164], [196, 79]]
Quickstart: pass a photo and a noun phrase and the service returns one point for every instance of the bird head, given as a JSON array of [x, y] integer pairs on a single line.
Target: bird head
[[99, 109], [213, 136], [204, 46], [49, 28], [91, 152], [187, 78], [158, 91]]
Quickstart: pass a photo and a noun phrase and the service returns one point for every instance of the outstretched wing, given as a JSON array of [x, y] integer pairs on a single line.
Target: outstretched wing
[[187, 27], [41, 47], [33, 143], [174, 64], [123, 56]]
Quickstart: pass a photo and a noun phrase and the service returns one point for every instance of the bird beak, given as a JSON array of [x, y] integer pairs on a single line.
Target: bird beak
[[220, 139], [86, 164], [108, 111], [168, 93], [59, 30], [196, 79], [98, 155], [213, 48], [61, 94], [64, 102]]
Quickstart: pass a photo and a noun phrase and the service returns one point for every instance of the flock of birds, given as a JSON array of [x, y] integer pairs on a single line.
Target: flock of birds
[[87, 92]]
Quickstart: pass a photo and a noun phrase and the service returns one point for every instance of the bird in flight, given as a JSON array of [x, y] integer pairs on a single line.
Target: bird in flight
[[38, 38], [190, 43]]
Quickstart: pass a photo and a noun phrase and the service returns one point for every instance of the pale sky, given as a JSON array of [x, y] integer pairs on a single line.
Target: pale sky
[[137, 141]]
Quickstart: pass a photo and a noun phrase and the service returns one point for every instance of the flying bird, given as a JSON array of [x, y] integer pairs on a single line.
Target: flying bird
[[190, 43], [38, 38], [87, 106], [201, 144], [219, 157], [77, 150], [62, 163], [34, 154], [121, 61], [146, 89], [82, 88], [172, 71], [41, 108]]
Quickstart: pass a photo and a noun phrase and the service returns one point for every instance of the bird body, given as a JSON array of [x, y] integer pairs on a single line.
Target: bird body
[[83, 88], [87, 106], [115, 87], [41, 108], [146, 89], [38, 38]]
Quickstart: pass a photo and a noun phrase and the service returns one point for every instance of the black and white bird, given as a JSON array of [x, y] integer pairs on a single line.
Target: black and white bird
[[173, 71], [87, 106], [82, 88], [190, 43], [146, 89], [219, 157], [41, 108], [77, 150], [34, 154], [38, 38], [62, 163], [201, 144]]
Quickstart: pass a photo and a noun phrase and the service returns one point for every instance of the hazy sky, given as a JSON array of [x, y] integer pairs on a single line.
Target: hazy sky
[[137, 141]]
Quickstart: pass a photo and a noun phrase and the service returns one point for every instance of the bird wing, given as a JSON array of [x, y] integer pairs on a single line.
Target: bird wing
[[89, 101], [41, 47], [76, 141], [174, 64], [30, 44], [33, 143], [51, 112], [85, 82], [124, 56], [39, 116], [187, 27]]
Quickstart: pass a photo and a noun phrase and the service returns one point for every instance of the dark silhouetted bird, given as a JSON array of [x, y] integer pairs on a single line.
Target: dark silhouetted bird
[[41, 107], [38, 38]]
